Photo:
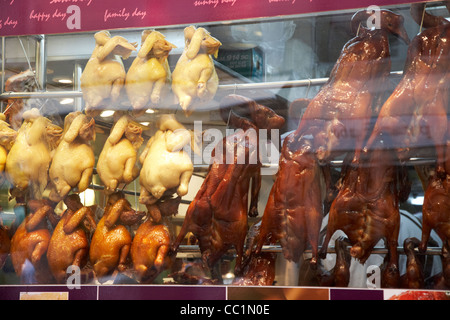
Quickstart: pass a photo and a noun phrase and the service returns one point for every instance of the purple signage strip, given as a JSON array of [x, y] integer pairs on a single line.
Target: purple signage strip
[[123, 292], [25, 17], [353, 294]]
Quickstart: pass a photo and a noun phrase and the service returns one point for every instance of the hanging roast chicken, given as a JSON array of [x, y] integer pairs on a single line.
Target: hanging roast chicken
[[69, 244], [73, 161], [149, 77], [111, 242], [218, 214], [195, 79], [336, 121], [31, 240], [104, 75]]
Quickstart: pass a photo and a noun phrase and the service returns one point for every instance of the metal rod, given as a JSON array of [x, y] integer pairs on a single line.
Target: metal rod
[[41, 63], [224, 87], [435, 251]]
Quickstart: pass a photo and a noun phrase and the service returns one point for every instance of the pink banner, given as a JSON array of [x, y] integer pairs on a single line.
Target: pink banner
[[24, 17]]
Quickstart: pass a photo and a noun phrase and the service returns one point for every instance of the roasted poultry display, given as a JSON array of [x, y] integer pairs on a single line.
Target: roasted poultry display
[[104, 75], [111, 242], [7, 138], [149, 77], [218, 214], [367, 208], [340, 275], [336, 121], [117, 163], [415, 115], [31, 240], [195, 80], [69, 244], [22, 82], [414, 277], [166, 166], [29, 159], [73, 161]]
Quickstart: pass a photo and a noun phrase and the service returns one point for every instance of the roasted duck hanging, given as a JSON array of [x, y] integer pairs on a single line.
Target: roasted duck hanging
[[415, 115], [335, 122], [218, 214], [366, 208]]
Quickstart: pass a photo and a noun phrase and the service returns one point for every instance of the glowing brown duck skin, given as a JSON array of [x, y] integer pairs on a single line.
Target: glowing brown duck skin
[[294, 210], [414, 277], [344, 105], [415, 114]]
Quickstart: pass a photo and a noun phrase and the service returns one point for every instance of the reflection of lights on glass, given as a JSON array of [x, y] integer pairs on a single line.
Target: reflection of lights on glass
[[88, 197], [228, 278], [418, 201], [107, 113], [63, 80], [150, 111], [145, 123], [67, 101]]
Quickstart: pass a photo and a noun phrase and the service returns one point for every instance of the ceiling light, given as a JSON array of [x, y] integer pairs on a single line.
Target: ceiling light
[[150, 111], [145, 123], [107, 113], [66, 101]]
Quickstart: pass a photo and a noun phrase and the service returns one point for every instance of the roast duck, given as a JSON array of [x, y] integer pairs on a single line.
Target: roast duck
[[415, 115], [218, 214], [69, 244], [104, 76], [335, 121], [194, 79], [149, 77]]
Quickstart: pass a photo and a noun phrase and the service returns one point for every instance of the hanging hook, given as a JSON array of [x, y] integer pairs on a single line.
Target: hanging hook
[[423, 17]]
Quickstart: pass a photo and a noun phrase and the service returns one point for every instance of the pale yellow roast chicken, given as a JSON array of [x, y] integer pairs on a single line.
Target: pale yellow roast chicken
[[73, 161], [165, 165], [195, 79], [149, 77], [104, 75], [117, 163], [7, 139], [29, 159]]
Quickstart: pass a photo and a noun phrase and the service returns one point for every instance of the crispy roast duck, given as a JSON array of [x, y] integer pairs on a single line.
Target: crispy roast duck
[[336, 120], [218, 214]]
